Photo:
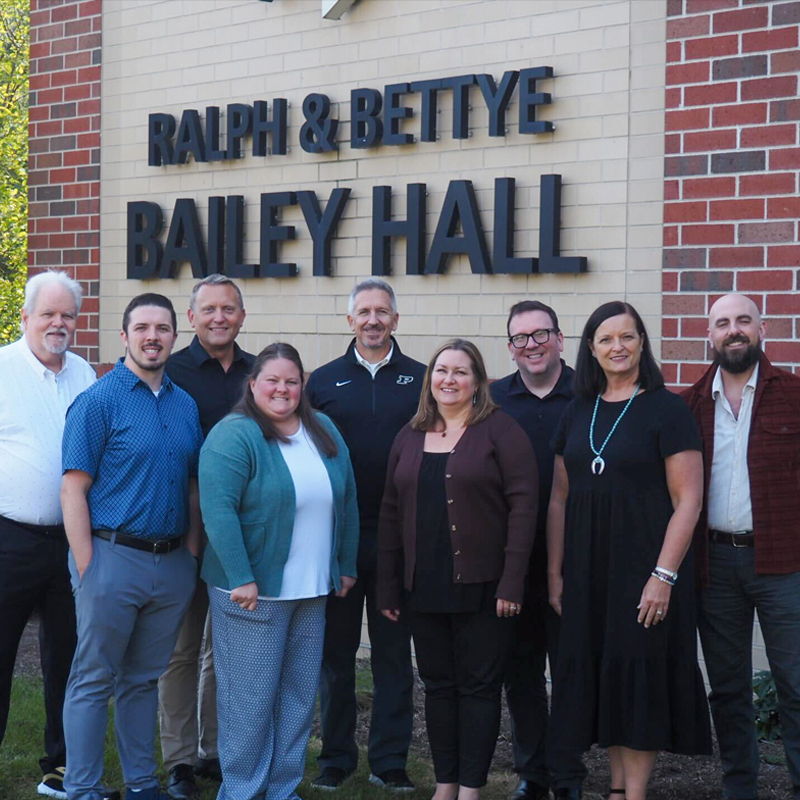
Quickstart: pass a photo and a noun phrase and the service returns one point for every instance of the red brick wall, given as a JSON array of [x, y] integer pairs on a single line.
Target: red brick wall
[[731, 173], [64, 135]]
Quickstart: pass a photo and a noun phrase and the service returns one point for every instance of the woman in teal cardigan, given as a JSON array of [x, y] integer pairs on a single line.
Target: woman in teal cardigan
[[279, 506]]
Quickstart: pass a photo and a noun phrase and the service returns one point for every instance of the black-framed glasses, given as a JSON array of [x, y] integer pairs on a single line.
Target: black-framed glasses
[[541, 336]]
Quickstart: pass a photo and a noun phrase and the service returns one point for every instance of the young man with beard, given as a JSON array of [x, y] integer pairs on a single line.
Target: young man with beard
[[370, 392], [132, 517], [748, 537]]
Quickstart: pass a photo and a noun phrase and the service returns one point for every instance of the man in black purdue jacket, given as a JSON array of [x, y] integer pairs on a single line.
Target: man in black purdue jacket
[[370, 393]]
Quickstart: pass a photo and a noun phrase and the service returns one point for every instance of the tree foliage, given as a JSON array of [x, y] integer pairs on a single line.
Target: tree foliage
[[14, 54]]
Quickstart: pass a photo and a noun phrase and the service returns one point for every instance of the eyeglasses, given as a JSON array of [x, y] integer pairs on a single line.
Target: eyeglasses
[[539, 337]]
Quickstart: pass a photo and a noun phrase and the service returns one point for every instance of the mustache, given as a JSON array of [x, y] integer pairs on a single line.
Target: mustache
[[736, 339], [60, 331]]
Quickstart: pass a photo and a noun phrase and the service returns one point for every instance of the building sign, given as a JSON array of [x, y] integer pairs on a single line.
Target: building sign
[[377, 119]]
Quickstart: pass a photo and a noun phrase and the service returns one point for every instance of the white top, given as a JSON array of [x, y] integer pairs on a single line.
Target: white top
[[373, 368], [307, 572], [729, 507], [33, 403]]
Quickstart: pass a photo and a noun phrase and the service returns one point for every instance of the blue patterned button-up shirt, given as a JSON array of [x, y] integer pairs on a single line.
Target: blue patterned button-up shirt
[[141, 451]]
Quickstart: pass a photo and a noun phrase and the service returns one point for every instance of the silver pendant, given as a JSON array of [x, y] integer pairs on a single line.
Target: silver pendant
[[598, 465]]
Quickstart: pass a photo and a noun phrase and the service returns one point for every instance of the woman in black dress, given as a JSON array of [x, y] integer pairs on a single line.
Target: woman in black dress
[[456, 528], [626, 496]]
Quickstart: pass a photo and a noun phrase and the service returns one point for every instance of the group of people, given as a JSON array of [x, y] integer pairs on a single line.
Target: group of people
[[199, 532]]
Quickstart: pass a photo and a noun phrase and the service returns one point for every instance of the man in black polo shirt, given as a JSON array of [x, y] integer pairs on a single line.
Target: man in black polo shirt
[[212, 369], [370, 393], [536, 396]]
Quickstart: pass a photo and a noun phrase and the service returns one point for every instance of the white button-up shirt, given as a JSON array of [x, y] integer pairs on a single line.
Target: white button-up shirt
[[729, 506], [33, 404], [373, 368]]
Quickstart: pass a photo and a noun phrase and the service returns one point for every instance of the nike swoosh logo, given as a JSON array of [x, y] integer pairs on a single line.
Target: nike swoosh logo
[[343, 383]]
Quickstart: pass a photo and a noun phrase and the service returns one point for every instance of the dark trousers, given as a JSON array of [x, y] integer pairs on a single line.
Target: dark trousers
[[725, 621], [461, 660], [392, 676], [536, 640], [34, 578]]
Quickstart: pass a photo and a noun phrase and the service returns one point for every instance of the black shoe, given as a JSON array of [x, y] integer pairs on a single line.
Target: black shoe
[[181, 785], [395, 780], [330, 779], [209, 768], [567, 794], [528, 790]]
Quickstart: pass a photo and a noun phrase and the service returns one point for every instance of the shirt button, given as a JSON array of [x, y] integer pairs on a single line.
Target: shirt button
[[165, 427], [457, 553], [449, 502], [458, 577], [452, 527], [448, 475]]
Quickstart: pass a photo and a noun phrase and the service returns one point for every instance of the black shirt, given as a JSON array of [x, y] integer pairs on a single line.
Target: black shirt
[[434, 589], [369, 412], [539, 418], [203, 378]]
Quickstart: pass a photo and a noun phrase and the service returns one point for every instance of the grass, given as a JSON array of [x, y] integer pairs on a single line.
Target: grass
[[22, 747]]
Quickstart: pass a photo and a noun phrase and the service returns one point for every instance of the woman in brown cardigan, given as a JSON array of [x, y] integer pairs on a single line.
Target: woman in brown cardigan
[[456, 529]]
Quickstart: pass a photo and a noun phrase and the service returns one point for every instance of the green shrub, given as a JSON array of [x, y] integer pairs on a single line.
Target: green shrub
[[768, 721]]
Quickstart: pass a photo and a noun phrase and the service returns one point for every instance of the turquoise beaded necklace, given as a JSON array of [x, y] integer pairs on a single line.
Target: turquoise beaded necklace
[[599, 464]]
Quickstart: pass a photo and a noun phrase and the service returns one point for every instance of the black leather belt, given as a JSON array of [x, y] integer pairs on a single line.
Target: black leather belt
[[743, 539], [54, 531], [147, 545]]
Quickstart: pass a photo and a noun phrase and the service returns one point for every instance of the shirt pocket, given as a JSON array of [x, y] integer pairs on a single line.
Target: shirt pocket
[[782, 439]]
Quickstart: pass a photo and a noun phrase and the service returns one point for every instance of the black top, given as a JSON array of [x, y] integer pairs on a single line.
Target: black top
[[369, 412], [434, 589], [203, 378], [539, 418]]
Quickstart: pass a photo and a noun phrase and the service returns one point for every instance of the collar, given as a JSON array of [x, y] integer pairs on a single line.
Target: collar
[[40, 369], [394, 353], [718, 389], [373, 368], [563, 385], [200, 356], [130, 381]]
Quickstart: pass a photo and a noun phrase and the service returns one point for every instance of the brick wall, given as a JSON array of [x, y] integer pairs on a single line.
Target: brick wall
[[608, 94], [731, 173], [64, 135]]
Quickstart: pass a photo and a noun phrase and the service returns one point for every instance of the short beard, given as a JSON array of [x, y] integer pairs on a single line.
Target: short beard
[[739, 361], [56, 349], [147, 366]]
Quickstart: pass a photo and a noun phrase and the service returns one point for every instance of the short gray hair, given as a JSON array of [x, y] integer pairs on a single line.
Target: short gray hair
[[215, 280], [48, 278], [367, 285]]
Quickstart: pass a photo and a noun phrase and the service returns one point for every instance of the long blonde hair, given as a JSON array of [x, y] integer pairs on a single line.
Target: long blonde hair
[[428, 416]]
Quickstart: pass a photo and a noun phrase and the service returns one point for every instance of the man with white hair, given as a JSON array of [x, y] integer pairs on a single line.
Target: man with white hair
[[39, 378], [747, 540]]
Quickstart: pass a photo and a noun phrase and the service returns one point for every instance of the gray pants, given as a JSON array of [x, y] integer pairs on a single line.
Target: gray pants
[[267, 663], [726, 631], [129, 605]]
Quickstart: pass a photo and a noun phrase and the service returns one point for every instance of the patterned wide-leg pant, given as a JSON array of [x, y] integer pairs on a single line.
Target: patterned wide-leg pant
[[267, 663]]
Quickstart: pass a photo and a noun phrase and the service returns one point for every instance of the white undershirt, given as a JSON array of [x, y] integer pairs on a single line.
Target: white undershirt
[[729, 505], [373, 368], [307, 572]]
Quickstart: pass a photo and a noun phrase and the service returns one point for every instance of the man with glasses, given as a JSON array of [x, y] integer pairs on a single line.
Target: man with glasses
[[536, 396]]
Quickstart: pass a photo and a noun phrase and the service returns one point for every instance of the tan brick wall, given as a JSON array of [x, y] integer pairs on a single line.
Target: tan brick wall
[[608, 107]]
